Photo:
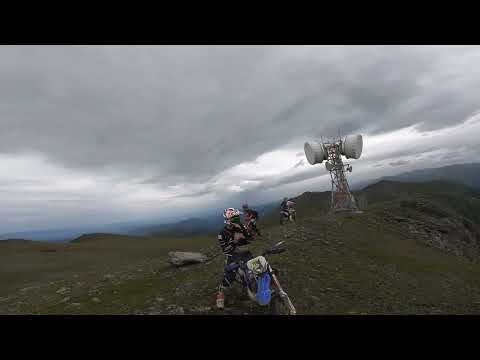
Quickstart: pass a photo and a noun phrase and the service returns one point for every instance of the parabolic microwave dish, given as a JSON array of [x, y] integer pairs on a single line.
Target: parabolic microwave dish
[[351, 148]]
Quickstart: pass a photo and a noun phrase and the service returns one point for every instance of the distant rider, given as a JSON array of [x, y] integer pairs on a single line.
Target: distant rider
[[251, 217], [284, 205], [233, 235]]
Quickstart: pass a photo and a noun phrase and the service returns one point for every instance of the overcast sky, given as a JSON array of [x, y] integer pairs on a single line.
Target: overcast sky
[[99, 134]]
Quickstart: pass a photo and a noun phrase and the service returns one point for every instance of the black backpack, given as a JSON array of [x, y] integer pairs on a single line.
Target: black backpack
[[255, 214]]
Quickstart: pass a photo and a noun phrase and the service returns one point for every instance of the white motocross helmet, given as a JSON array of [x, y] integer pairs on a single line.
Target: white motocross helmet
[[231, 216]]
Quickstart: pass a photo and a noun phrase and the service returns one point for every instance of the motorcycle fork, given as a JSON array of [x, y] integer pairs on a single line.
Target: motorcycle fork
[[282, 293]]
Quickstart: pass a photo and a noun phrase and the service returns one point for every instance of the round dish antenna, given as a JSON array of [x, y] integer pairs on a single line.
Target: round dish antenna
[[315, 152], [352, 146]]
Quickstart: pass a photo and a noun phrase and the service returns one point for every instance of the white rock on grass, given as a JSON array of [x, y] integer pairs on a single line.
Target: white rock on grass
[[179, 311], [62, 290], [179, 258], [201, 309]]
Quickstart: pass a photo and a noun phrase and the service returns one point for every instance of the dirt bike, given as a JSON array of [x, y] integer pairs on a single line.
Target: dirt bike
[[288, 215], [255, 273]]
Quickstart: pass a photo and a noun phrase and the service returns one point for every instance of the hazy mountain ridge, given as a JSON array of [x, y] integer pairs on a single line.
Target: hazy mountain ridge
[[465, 174], [209, 224], [211, 221]]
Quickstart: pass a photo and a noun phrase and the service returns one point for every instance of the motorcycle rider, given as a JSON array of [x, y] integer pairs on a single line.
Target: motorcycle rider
[[233, 234], [251, 217], [284, 207]]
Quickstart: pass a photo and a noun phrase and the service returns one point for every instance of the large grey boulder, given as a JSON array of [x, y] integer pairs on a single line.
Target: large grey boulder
[[179, 258]]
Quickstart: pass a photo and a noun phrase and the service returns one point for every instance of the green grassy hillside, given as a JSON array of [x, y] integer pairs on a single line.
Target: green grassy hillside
[[414, 250]]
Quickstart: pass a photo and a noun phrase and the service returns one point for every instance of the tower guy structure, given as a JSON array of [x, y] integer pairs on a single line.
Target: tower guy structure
[[351, 147]]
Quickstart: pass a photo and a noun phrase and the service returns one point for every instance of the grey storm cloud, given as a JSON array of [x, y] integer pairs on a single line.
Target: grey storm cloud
[[299, 164], [399, 163], [184, 113], [274, 181], [452, 155]]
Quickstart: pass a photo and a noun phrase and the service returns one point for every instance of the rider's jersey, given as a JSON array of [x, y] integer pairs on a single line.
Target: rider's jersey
[[226, 239], [284, 206], [250, 215]]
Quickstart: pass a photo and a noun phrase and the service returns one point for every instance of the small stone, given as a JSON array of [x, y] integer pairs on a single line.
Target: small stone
[[96, 300], [178, 311], [201, 309], [159, 299], [29, 288], [76, 304], [62, 290], [65, 299]]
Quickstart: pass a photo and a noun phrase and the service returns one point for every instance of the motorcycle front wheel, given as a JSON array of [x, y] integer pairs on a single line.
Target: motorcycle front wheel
[[278, 306]]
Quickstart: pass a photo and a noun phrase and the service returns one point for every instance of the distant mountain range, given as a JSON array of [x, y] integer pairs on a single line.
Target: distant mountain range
[[465, 174], [211, 221], [67, 234]]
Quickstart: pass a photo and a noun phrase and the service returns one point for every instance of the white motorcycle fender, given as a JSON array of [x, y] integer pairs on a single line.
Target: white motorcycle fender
[[257, 265]]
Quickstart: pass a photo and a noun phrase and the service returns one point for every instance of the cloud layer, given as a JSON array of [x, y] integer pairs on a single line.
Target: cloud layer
[[126, 128], [186, 112]]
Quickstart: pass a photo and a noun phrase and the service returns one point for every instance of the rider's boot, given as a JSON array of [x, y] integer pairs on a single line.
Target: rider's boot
[[220, 298]]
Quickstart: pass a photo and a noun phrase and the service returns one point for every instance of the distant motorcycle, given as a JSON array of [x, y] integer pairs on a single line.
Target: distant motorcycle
[[259, 280], [288, 215]]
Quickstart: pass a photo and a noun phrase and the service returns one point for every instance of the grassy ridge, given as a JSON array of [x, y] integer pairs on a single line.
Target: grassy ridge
[[413, 251]]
